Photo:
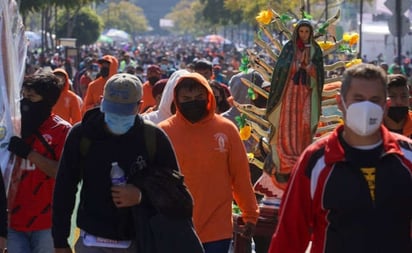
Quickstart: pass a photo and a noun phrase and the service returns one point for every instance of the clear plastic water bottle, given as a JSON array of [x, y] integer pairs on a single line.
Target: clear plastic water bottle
[[117, 175]]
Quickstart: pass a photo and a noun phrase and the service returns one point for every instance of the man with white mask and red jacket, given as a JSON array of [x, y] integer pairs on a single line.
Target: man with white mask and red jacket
[[352, 190]]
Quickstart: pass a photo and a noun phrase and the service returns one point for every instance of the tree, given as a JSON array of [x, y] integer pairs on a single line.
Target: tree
[[124, 16], [214, 11], [47, 8], [27, 6], [86, 29], [186, 15]]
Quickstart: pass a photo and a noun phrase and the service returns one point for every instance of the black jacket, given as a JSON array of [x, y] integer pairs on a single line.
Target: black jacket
[[97, 213]]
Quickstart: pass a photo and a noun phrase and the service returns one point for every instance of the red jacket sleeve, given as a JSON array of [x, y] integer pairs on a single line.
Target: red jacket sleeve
[[293, 231]]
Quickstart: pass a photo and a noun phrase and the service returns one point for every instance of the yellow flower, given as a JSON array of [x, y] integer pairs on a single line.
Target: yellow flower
[[346, 37], [353, 39], [353, 62], [245, 133], [265, 17], [325, 45]]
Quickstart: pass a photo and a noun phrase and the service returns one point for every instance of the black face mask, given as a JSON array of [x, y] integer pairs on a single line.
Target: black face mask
[[152, 80], [33, 114], [193, 110], [104, 72], [397, 113]]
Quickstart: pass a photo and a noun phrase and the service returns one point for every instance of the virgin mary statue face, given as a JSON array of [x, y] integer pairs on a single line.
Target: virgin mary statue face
[[304, 33]]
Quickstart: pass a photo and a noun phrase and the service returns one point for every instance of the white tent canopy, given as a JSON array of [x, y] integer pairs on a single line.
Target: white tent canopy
[[34, 38], [118, 35]]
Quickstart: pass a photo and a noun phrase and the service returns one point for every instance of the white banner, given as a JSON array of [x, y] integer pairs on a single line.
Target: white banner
[[13, 51], [166, 22]]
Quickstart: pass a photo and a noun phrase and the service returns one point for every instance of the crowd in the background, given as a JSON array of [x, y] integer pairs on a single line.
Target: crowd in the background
[[169, 53], [149, 59]]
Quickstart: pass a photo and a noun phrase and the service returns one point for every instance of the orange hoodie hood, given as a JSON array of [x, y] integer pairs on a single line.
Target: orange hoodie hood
[[68, 104], [66, 76], [211, 102], [114, 64]]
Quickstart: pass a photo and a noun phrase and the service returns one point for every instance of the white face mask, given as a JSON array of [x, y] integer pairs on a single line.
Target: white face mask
[[363, 118], [93, 74]]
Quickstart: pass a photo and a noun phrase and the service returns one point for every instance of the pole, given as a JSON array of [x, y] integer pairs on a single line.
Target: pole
[[360, 28], [399, 30]]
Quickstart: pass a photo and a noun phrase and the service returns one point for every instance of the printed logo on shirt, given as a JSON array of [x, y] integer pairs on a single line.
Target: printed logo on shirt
[[221, 140], [27, 165], [369, 174], [139, 164], [48, 138]]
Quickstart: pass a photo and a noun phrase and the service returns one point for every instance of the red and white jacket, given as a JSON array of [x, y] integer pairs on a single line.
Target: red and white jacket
[[330, 203]]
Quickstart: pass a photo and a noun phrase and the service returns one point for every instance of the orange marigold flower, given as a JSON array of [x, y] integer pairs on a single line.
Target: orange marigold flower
[[265, 17], [245, 133], [354, 39]]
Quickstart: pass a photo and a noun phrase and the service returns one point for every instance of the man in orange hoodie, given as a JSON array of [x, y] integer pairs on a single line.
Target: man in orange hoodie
[[213, 159], [108, 67], [398, 117], [68, 104], [153, 75]]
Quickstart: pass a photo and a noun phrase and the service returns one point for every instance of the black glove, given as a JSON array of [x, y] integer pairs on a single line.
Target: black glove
[[19, 147]]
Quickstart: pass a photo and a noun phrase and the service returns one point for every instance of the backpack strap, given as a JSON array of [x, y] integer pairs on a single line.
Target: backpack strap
[[150, 139], [46, 145], [149, 132], [84, 147]]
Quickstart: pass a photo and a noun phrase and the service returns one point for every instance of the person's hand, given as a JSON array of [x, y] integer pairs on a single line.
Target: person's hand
[[248, 230], [126, 195], [19, 147], [62, 250]]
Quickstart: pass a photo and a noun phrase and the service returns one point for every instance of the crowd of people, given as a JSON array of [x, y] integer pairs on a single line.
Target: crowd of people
[[107, 101], [349, 192]]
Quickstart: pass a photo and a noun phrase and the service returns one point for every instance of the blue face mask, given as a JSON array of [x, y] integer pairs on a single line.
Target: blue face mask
[[119, 124]]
